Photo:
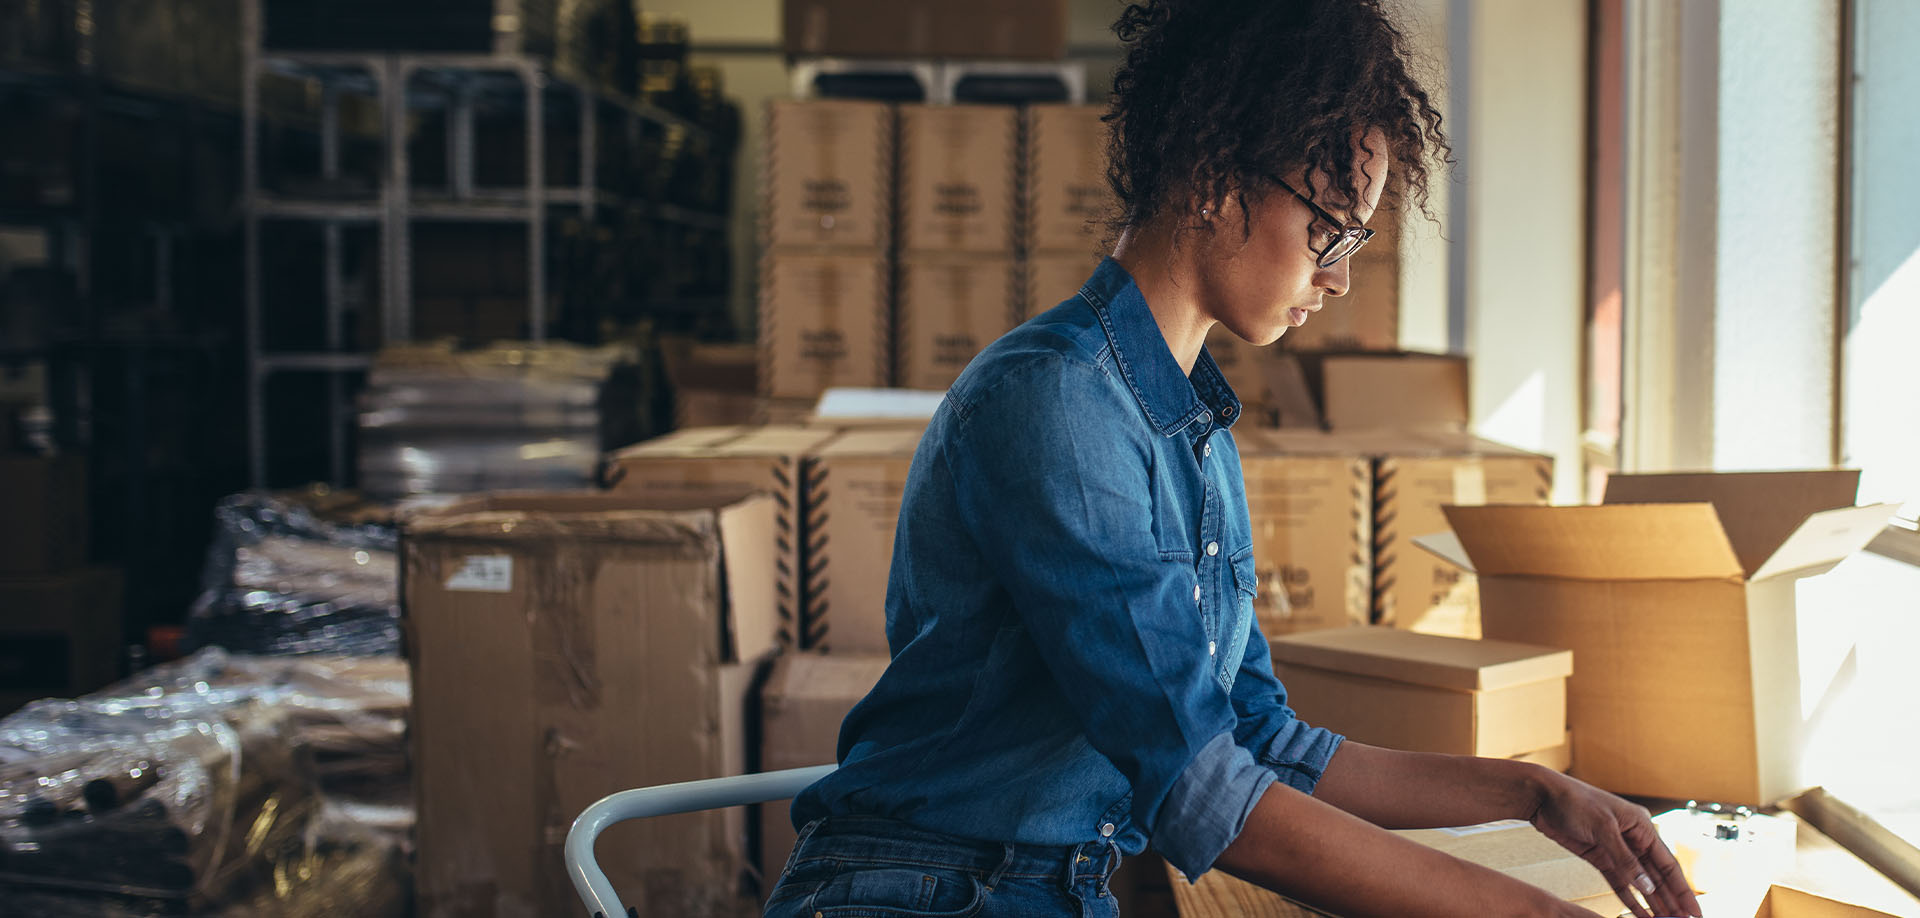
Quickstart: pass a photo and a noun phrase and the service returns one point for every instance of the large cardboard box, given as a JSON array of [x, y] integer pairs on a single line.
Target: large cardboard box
[[1426, 693], [1016, 29], [1312, 544], [1681, 615], [805, 699], [957, 169], [60, 634], [1390, 391], [824, 322], [829, 174], [1414, 476], [1067, 199], [566, 645], [713, 384], [755, 458], [45, 529], [951, 308], [854, 486], [1050, 278]]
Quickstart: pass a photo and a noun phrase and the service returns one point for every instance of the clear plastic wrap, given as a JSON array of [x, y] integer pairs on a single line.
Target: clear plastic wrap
[[204, 787], [280, 579]]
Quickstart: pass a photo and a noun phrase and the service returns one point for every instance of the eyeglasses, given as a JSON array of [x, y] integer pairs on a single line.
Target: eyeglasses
[[1344, 239]]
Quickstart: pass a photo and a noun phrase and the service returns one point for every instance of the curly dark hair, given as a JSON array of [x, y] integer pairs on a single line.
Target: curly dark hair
[[1216, 97]]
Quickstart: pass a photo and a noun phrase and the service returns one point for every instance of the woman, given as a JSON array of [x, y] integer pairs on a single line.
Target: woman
[[1076, 671]]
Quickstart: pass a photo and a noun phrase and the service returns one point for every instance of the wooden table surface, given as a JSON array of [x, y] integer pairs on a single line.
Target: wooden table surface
[[1822, 866]]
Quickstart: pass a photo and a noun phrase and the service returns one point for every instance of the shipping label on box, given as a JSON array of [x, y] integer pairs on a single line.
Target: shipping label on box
[[951, 308], [829, 173], [1311, 518], [763, 459], [957, 165], [824, 323], [620, 654], [1685, 643], [854, 488], [1050, 278], [801, 708], [1068, 200]]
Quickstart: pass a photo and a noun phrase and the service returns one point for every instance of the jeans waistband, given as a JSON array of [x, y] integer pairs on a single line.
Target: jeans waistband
[[878, 839]]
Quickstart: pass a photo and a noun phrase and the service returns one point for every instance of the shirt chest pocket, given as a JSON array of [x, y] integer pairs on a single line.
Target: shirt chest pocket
[[1236, 621]]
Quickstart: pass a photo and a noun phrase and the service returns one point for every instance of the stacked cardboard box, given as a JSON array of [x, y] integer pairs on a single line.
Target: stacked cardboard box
[[1017, 29], [957, 206], [805, 699], [60, 618], [1066, 202], [1333, 514], [572, 644], [824, 278], [853, 490], [1677, 599]]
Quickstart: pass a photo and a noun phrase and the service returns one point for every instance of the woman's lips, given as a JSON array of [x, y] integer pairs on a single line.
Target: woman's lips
[[1297, 316]]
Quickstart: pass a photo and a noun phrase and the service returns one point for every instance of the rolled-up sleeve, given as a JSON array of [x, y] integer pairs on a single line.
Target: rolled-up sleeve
[[1057, 491], [1296, 753]]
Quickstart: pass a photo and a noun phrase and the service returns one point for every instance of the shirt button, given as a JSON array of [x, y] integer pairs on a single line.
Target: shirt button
[[1207, 449], [1213, 548], [1106, 830], [1196, 592], [1206, 418], [1211, 648]]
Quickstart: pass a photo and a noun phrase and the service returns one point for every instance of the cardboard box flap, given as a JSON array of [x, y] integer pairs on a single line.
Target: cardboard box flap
[[1446, 545], [1759, 510], [1826, 538], [1423, 659], [1634, 542], [775, 440], [681, 442], [747, 565], [878, 443]]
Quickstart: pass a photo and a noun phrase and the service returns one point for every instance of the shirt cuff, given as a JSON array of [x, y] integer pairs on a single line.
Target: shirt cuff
[[1299, 754], [1208, 806]]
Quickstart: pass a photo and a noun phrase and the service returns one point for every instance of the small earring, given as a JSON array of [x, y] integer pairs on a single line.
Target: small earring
[[1205, 211]]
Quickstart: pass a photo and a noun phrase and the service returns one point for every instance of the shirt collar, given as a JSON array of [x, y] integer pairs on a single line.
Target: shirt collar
[[1171, 401]]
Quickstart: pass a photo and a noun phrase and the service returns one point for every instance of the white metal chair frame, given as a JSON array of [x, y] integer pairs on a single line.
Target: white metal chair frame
[[666, 800]]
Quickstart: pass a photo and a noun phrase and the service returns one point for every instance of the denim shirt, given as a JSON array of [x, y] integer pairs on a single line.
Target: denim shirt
[[1070, 607]]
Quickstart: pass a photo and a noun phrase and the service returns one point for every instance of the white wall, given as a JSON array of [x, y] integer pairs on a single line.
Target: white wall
[[1523, 249]]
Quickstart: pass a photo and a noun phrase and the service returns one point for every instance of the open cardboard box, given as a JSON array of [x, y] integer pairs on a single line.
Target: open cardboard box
[[1681, 615]]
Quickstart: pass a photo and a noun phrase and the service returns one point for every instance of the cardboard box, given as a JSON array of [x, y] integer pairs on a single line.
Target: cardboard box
[[1312, 544], [1426, 693], [957, 170], [823, 323], [714, 385], [763, 459], [60, 634], [1067, 201], [854, 486], [1271, 383], [1414, 476], [46, 518], [801, 707], [829, 173], [951, 308], [1681, 615], [1390, 391], [1559, 758], [1021, 30], [1050, 278], [566, 645]]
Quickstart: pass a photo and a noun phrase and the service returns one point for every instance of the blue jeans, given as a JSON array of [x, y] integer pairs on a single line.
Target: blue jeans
[[870, 866]]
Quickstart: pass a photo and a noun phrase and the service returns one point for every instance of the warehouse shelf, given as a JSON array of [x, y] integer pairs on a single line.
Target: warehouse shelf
[[453, 89]]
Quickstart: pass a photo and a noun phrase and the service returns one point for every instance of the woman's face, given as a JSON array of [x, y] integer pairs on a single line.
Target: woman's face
[[1274, 281]]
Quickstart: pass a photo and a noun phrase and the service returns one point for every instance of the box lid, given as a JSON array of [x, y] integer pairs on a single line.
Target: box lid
[[1758, 509], [1423, 659], [1619, 542]]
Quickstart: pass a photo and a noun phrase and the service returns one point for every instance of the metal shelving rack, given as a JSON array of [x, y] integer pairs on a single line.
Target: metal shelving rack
[[387, 77]]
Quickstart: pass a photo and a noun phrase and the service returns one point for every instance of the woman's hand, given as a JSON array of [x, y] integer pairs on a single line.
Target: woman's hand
[[1618, 838]]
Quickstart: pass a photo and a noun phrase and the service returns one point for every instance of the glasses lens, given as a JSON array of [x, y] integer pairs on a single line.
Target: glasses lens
[[1345, 245]]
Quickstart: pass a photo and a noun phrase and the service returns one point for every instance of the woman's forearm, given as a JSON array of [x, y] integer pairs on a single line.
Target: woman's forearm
[[1418, 790]]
